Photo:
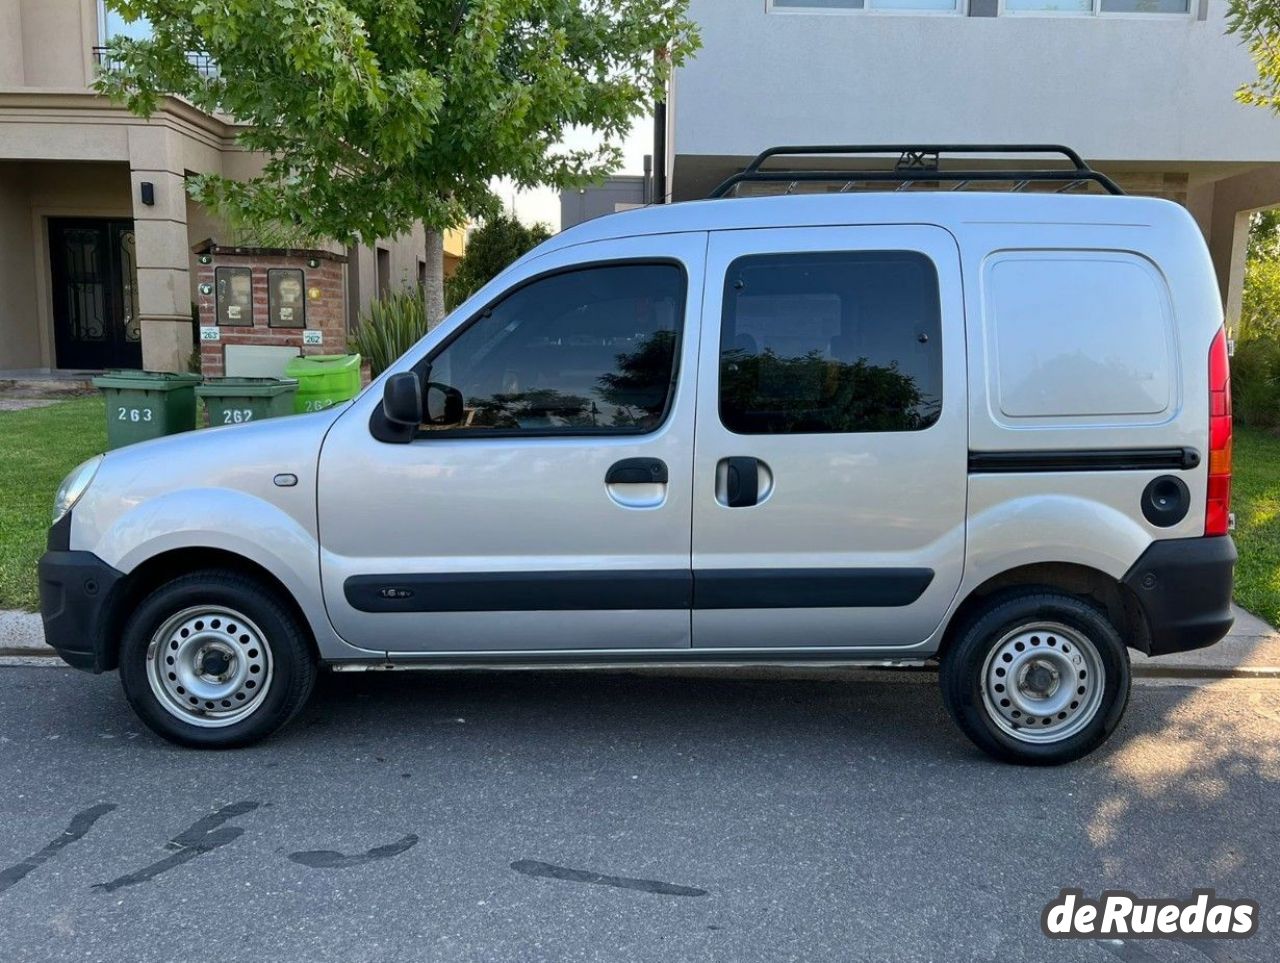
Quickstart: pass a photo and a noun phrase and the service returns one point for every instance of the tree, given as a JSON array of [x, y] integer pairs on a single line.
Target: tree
[[375, 114], [490, 248], [1264, 234], [1257, 23], [1260, 309]]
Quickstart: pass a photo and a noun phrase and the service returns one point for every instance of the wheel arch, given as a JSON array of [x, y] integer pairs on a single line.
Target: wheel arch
[[1115, 599], [163, 567]]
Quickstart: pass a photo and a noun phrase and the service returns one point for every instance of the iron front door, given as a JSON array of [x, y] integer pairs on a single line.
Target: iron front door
[[545, 502], [94, 277]]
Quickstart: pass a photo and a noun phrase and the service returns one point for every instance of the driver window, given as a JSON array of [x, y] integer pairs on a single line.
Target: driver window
[[591, 350]]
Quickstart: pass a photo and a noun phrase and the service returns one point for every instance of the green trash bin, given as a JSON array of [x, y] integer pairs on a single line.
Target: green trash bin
[[324, 380], [147, 404], [235, 401]]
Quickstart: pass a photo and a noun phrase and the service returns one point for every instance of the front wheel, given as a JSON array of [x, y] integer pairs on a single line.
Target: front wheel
[[1039, 678], [215, 660]]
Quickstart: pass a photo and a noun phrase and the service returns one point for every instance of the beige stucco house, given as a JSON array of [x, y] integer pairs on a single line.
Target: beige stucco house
[[96, 228]]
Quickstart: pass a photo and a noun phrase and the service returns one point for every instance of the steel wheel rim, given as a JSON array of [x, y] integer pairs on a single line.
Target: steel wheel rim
[[209, 666], [1043, 682]]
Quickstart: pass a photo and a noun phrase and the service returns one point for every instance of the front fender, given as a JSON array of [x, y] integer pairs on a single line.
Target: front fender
[[214, 518], [231, 521]]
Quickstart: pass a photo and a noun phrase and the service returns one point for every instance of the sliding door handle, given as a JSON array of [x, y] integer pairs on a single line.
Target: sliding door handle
[[637, 471], [741, 482]]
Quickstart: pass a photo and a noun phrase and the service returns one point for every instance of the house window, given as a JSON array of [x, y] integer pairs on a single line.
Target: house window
[[1144, 6], [1089, 8], [113, 24], [830, 342], [852, 6], [384, 272]]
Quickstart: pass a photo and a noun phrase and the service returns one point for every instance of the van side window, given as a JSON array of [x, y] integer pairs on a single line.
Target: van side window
[[584, 351], [830, 342]]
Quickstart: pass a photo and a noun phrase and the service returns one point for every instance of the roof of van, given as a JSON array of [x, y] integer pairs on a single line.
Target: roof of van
[[944, 208]]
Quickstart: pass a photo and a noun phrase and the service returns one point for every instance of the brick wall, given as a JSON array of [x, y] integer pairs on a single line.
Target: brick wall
[[324, 293]]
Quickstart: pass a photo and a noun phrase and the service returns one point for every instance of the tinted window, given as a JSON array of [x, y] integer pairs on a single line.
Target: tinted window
[[830, 343], [589, 350]]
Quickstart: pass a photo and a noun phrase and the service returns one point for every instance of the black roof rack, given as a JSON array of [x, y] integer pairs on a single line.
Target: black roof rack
[[920, 162]]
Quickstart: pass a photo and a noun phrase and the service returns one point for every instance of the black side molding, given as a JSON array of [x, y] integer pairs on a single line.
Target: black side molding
[[1094, 459], [808, 588], [521, 591], [582, 591]]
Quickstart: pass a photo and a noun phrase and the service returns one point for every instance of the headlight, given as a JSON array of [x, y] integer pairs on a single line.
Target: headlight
[[74, 485]]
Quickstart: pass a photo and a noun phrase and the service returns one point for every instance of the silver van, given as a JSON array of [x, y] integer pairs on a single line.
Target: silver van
[[986, 429]]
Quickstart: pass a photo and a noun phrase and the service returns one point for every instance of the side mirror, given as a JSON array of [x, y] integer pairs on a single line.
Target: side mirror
[[402, 400], [444, 404], [396, 420]]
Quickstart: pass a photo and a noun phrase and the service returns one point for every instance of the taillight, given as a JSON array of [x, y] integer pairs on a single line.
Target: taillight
[[1217, 506]]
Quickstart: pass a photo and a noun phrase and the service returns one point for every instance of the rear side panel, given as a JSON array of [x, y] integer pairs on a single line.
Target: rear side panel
[[1088, 348]]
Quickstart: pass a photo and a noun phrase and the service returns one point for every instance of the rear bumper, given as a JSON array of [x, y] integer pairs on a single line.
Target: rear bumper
[[75, 589], [1183, 586]]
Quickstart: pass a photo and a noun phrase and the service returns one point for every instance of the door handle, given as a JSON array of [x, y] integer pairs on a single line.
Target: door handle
[[741, 482], [637, 471]]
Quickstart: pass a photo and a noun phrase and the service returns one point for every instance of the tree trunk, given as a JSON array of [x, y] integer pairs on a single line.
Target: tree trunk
[[433, 281]]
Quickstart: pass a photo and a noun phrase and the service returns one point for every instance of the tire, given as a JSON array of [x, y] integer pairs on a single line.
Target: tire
[[1004, 678], [213, 660]]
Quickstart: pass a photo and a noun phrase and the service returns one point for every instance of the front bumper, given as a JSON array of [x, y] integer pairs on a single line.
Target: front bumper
[[75, 590], [1183, 586]]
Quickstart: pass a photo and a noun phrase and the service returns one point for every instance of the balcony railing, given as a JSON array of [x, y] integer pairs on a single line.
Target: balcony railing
[[205, 65]]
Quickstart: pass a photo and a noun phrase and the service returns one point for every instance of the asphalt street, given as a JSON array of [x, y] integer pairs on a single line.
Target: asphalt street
[[618, 817]]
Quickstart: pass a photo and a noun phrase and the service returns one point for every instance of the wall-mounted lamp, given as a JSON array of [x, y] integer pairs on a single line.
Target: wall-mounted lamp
[[148, 193]]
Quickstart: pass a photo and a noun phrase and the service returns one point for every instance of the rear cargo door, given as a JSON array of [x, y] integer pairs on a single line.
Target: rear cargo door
[[830, 464]]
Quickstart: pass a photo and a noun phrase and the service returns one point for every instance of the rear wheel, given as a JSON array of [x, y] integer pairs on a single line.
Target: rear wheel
[[215, 660], [1039, 677]]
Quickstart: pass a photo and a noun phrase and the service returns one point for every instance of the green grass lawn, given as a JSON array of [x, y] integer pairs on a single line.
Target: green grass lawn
[[40, 445], [37, 448], [1255, 498]]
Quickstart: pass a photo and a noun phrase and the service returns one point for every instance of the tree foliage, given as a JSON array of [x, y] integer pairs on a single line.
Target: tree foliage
[[375, 114], [1260, 308], [490, 248], [1255, 367], [1264, 234], [1257, 23]]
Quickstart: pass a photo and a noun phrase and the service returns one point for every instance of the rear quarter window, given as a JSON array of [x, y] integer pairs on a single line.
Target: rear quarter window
[[1078, 338]]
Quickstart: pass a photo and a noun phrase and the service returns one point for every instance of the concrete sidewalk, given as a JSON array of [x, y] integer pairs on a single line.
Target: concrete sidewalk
[[1252, 649], [22, 634]]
